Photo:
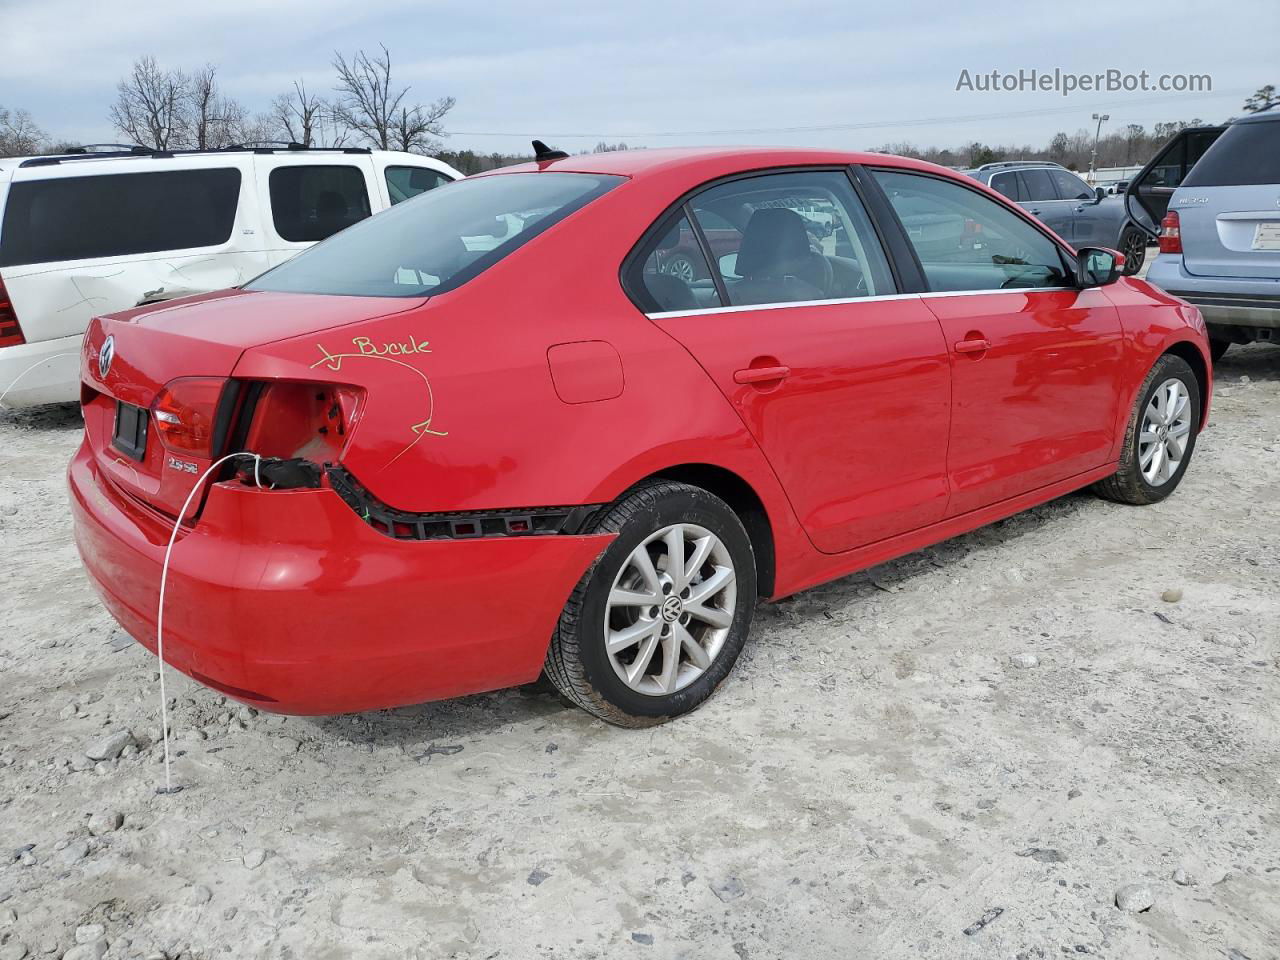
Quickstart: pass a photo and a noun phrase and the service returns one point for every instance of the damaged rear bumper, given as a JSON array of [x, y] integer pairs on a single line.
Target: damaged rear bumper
[[288, 601], [47, 371]]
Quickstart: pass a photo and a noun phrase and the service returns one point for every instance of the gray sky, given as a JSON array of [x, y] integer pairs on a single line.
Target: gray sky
[[575, 73]]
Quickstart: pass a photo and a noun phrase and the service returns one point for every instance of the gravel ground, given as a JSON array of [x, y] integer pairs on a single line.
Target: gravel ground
[[970, 752]]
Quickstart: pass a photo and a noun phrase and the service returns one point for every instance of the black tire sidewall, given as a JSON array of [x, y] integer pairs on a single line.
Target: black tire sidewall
[[1168, 368], [693, 506], [1133, 264]]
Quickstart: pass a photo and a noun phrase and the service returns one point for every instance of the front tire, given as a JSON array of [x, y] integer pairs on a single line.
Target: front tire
[[1160, 436], [657, 622]]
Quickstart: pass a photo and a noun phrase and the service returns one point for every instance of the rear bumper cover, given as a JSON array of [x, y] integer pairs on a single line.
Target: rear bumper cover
[[1224, 301], [287, 601], [47, 371]]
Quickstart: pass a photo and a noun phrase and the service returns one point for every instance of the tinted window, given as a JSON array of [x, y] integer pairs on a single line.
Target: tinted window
[[792, 237], [1008, 184], [1036, 185], [966, 241], [406, 182], [1247, 153], [441, 240], [1071, 187], [674, 274], [312, 203], [77, 218]]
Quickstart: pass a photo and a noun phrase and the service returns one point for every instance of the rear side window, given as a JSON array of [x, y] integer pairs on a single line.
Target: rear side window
[[1009, 185], [968, 241], [1246, 154], [1036, 185], [441, 240], [310, 203], [406, 182], [82, 218], [674, 274]]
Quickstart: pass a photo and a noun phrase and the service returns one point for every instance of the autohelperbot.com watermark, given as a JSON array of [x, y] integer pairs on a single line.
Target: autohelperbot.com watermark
[[1064, 82]]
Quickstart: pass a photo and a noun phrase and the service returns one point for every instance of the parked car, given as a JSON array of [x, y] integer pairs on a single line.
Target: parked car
[[89, 233], [1075, 211], [1215, 193], [452, 469]]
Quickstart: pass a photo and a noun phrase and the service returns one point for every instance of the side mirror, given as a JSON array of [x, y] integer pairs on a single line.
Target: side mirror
[[729, 265], [1098, 266], [1098, 194]]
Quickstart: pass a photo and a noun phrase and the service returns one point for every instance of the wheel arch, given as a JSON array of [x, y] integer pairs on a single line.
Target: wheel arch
[[744, 501], [1188, 351]]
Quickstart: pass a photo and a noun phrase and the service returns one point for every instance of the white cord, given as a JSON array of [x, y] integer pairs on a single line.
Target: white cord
[[164, 576], [14, 382]]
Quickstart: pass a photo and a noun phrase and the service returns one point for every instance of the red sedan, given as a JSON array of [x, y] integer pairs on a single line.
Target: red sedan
[[485, 434]]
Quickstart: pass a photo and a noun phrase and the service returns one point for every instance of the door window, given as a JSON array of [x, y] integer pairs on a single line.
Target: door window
[[310, 203], [967, 241], [1036, 185], [1071, 187], [406, 182], [790, 238], [79, 218], [674, 275], [1009, 185]]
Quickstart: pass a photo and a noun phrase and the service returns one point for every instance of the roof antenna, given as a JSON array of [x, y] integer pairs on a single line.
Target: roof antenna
[[542, 153]]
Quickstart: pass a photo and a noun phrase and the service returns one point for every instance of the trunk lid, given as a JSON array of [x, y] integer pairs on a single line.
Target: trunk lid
[[201, 337]]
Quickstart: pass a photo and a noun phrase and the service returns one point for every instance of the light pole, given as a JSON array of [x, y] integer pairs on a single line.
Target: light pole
[[1093, 157]]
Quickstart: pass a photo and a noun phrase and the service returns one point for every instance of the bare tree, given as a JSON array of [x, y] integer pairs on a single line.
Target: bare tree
[[151, 105], [214, 120], [299, 115], [372, 107], [19, 135]]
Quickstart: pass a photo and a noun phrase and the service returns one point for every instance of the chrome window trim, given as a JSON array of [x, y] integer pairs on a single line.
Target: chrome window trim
[[703, 311]]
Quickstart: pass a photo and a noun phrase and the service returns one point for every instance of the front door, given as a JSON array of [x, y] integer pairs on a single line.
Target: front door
[[825, 374], [1035, 362]]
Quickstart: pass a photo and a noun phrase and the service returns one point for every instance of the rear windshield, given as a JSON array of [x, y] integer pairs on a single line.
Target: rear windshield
[[438, 240], [1245, 154], [80, 218]]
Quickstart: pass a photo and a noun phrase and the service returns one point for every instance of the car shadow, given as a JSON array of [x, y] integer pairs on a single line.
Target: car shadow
[[1257, 361], [57, 416]]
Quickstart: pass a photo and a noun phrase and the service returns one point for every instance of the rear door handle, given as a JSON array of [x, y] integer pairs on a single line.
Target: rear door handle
[[1034, 212], [761, 374], [972, 346]]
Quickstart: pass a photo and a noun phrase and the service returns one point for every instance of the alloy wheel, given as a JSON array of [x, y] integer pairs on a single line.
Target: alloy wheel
[[1166, 428], [670, 609]]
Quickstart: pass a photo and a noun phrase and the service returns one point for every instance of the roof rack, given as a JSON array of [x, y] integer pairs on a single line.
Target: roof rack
[[256, 146], [1002, 164]]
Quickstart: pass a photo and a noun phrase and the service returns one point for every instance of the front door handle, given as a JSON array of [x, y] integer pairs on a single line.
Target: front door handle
[[1080, 209], [761, 374], [973, 346]]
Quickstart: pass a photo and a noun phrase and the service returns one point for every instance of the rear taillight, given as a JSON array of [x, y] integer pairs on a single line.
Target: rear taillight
[[184, 413], [1170, 233], [10, 331]]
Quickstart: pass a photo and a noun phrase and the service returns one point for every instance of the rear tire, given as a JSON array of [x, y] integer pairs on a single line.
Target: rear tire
[[1133, 244], [689, 618], [1159, 438]]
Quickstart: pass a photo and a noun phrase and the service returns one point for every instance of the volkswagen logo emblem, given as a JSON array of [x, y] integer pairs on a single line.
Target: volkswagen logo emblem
[[106, 355]]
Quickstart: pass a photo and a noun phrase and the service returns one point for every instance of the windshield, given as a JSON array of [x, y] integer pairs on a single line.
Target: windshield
[[438, 240]]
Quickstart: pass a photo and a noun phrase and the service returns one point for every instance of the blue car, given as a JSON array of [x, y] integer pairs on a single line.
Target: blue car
[[1082, 215], [1212, 196]]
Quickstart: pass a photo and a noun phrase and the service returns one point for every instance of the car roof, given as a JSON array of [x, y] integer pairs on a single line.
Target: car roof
[[1269, 115], [85, 164], [713, 161]]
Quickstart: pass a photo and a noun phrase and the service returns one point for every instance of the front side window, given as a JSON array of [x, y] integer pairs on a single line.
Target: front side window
[[1071, 187], [406, 182], [967, 241], [441, 240], [310, 203], [792, 237], [82, 218]]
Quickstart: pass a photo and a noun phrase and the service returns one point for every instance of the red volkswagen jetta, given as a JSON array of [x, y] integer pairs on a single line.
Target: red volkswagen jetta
[[502, 429]]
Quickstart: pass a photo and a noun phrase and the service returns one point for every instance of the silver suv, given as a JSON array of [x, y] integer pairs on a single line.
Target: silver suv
[[1082, 215], [1218, 220]]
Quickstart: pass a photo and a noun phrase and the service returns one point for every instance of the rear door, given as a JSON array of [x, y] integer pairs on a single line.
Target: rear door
[[1035, 362], [828, 368], [1229, 204], [307, 198], [1148, 194]]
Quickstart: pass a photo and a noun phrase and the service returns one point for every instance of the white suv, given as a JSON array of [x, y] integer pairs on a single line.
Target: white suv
[[91, 233]]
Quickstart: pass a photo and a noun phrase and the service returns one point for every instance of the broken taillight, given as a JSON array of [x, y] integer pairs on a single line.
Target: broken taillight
[[10, 330], [308, 420], [184, 413]]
